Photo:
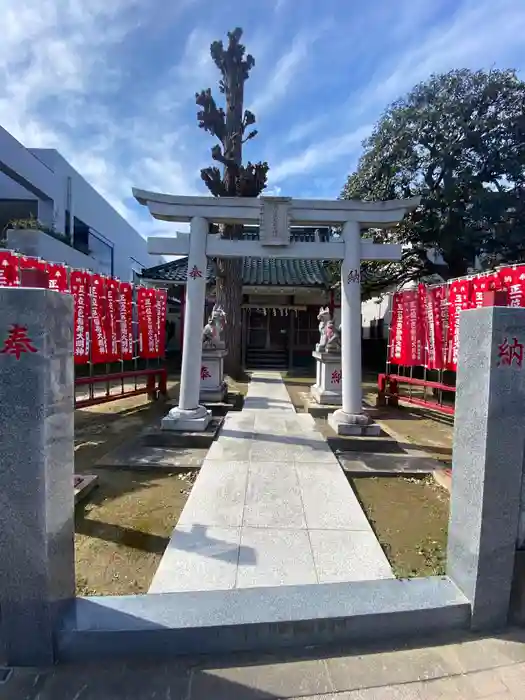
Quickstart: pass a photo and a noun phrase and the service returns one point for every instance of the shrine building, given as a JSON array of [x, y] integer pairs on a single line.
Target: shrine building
[[281, 300]]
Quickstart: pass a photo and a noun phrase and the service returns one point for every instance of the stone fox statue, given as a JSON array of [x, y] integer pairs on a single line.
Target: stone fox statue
[[211, 334], [330, 340]]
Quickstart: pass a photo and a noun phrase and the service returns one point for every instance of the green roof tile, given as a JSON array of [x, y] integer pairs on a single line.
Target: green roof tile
[[256, 272]]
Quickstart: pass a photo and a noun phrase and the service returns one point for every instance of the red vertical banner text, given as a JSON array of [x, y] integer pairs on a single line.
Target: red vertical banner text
[[434, 326], [111, 320], [80, 285], [513, 282], [396, 351], [99, 341], [125, 318], [161, 302], [146, 308], [458, 299], [412, 329]]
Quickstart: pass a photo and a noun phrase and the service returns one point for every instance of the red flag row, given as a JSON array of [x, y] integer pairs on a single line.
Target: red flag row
[[103, 310], [425, 321]]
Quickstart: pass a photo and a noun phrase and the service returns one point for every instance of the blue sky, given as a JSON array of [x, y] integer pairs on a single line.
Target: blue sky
[[111, 83]]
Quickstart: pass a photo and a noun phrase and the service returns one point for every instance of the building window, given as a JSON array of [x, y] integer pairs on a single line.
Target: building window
[[94, 244], [102, 251], [136, 270], [80, 236], [13, 209]]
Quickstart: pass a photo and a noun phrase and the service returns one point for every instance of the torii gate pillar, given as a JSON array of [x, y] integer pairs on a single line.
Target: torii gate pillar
[[350, 418]]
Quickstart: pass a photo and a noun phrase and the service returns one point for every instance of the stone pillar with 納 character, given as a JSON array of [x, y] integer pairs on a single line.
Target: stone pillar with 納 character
[[328, 378], [37, 569], [327, 355], [485, 528]]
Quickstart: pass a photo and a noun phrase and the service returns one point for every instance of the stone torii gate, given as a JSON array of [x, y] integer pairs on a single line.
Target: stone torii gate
[[274, 216]]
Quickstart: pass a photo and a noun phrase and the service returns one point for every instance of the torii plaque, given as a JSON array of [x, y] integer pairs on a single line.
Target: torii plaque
[[274, 215]]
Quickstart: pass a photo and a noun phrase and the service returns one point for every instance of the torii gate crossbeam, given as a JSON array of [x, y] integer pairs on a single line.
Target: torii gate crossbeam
[[274, 215]]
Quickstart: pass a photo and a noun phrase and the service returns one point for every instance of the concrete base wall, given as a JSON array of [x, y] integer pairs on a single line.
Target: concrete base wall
[[171, 624]]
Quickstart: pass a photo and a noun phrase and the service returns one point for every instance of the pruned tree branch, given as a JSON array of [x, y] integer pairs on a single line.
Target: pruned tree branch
[[217, 154], [212, 178], [247, 120], [252, 179], [230, 126], [210, 118]]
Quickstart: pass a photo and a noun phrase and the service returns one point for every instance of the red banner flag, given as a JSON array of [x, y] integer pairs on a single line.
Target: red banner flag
[[434, 303], [57, 277], [28, 263], [80, 290], [480, 285], [111, 320], [413, 329], [161, 302], [458, 299], [9, 269], [396, 352], [513, 282], [125, 302], [147, 322], [99, 345]]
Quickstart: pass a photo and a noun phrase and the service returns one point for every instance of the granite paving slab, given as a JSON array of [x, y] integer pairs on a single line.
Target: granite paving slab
[[271, 507], [273, 497], [199, 558], [230, 448], [284, 558], [378, 464], [136, 456], [220, 499], [328, 500], [347, 555]]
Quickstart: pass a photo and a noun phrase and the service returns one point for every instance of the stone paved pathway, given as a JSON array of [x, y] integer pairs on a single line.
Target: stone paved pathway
[[271, 506]]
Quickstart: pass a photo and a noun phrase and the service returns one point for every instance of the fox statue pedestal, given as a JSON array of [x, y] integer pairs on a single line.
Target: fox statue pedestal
[[213, 388], [328, 378]]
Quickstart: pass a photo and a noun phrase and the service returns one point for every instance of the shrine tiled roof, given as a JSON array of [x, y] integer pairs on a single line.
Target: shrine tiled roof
[[257, 272]]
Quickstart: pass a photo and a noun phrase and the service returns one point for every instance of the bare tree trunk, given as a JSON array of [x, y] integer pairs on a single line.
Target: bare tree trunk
[[229, 296]]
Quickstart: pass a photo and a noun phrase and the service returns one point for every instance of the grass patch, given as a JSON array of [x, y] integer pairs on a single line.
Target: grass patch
[[410, 519]]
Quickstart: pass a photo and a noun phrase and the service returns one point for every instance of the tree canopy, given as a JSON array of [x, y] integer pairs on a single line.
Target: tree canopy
[[458, 140]]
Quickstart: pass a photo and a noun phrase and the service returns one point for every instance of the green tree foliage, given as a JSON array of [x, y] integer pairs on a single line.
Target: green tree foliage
[[458, 140], [232, 128]]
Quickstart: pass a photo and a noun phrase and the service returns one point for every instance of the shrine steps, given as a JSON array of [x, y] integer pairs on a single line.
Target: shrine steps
[[266, 359]]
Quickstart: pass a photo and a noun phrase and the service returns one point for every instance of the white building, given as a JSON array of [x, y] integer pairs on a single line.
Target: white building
[[40, 183]]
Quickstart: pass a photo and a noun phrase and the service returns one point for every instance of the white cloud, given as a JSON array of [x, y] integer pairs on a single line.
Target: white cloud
[[478, 34], [57, 59], [286, 70], [323, 153]]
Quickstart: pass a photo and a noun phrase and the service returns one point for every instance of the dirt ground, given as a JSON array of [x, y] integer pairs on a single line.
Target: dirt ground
[[123, 526], [410, 519]]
